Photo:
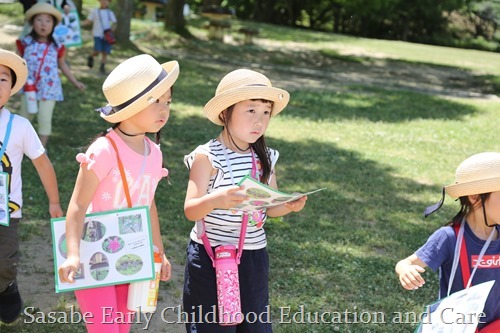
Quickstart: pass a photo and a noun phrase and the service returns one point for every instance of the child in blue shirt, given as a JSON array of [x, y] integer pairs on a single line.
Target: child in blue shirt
[[474, 227]]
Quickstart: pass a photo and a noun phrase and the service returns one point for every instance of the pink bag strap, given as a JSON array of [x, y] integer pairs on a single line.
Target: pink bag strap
[[241, 242]]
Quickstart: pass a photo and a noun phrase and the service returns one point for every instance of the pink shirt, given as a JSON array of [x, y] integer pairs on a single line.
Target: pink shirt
[[143, 173]]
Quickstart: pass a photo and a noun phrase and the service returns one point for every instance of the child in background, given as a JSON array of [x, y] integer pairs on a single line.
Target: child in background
[[474, 227], [243, 104], [139, 93], [44, 58], [27, 4], [102, 19], [18, 139]]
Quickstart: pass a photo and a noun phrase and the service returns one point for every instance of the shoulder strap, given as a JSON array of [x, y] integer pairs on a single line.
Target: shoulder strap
[[37, 75], [7, 136], [241, 242], [464, 258], [122, 172], [100, 19]]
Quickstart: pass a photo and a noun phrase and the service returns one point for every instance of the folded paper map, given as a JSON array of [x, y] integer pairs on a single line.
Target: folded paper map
[[262, 196]]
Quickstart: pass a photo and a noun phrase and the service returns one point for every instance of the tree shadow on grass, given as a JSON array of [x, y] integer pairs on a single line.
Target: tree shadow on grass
[[340, 251], [198, 83], [374, 105]]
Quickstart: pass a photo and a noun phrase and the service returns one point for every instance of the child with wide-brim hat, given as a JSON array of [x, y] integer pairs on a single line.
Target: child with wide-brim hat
[[244, 103], [139, 94], [18, 139], [475, 228]]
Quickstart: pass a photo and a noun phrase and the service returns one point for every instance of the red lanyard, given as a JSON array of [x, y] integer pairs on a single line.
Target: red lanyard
[[37, 77]]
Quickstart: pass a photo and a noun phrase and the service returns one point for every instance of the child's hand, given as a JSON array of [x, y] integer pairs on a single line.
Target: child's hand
[[297, 205], [68, 270], [229, 197], [80, 85], [166, 269], [410, 278], [55, 210]]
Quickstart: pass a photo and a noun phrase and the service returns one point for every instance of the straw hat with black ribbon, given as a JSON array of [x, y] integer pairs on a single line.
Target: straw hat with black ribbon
[[478, 174], [43, 8], [134, 84], [241, 85], [18, 66]]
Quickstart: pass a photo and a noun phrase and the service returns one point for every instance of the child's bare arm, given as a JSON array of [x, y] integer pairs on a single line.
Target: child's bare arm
[[409, 270], [67, 71], [198, 203], [49, 181], [166, 268], [83, 192]]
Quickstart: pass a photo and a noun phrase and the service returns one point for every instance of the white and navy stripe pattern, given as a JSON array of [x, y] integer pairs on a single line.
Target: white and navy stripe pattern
[[223, 226]]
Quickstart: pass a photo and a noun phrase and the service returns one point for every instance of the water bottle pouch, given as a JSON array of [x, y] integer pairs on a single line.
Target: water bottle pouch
[[228, 286]]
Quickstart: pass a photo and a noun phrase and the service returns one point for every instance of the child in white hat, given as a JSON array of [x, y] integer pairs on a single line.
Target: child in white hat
[[18, 138], [44, 57], [139, 93], [243, 104], [473, 229]]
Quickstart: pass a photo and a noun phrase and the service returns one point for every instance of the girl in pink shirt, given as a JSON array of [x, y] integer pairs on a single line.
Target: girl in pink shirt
[[139, 95]]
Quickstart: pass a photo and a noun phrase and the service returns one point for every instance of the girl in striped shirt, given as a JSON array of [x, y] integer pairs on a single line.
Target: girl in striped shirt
[[243, 104]]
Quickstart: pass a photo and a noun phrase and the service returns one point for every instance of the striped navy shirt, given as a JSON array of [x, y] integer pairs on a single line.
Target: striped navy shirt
[[223, 226]]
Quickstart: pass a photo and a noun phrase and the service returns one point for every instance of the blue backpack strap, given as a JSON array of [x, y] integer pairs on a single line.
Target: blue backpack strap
[[7, 136]]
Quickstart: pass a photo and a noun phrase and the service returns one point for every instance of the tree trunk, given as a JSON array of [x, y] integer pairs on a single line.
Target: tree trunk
[[174, 18], [123, 17]]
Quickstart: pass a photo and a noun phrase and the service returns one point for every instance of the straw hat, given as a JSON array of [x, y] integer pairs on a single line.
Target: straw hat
[[478, 174], [18, 66], [43, 8], [241, 85], [134, 84]]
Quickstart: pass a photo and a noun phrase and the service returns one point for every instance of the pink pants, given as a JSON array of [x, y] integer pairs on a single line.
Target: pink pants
[[105, 309]]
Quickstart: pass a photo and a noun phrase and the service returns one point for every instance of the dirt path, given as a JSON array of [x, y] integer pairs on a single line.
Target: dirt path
[[36, 282]]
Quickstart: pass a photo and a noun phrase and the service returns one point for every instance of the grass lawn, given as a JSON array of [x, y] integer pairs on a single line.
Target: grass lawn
[[382, 153]]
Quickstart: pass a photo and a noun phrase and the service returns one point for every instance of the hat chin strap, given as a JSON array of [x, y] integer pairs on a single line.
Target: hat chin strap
[[484, 212], [127, 134]]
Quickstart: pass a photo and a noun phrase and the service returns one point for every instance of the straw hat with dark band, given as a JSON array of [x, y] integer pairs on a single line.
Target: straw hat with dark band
[[241, 85], [18, 66], [478, 174], [43, 8], [134, 84]]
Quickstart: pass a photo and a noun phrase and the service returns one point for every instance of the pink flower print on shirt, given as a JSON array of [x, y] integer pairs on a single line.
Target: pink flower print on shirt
[[106, 196]]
